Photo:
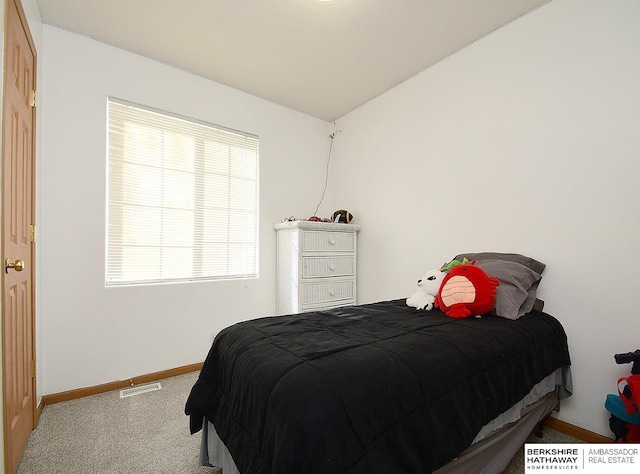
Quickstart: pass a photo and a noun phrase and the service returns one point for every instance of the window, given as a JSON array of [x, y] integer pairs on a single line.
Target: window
[[182, 199]]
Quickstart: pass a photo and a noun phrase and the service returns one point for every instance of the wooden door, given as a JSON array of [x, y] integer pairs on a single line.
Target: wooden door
[[18, 133]]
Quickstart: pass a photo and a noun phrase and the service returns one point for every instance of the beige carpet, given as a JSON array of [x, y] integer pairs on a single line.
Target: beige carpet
[[147, 433], [105, 434]]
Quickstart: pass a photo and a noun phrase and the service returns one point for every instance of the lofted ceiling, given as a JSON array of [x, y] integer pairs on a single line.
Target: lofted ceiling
[[323, 58]]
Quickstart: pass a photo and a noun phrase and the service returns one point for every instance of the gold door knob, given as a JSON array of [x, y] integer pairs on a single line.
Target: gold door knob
[[18, 265]]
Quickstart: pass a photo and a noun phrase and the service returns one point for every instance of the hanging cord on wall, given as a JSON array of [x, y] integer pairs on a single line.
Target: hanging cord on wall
[[326, 177]]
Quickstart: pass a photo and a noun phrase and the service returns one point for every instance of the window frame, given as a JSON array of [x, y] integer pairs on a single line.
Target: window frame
[[198, 191]]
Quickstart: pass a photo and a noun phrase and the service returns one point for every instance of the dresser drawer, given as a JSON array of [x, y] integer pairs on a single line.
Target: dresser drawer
[[320, 267], [315, 293], [322, 241]]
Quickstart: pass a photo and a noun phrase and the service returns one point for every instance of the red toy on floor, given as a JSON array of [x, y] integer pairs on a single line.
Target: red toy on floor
[[625, 407]]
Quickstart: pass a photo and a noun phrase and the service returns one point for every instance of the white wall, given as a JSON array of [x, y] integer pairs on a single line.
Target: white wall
[[91, 334], [526, 141]]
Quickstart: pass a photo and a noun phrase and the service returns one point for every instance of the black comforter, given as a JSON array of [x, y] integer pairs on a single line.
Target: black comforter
[[365, 389]]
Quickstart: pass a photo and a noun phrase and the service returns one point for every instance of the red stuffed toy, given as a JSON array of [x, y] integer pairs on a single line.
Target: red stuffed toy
[[467, 291]]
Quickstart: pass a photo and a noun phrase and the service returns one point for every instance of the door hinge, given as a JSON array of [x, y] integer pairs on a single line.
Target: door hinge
[[32, 98], [33, 368], [32, 232]]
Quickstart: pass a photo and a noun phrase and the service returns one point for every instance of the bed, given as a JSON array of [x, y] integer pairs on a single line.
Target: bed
[[379, 387]]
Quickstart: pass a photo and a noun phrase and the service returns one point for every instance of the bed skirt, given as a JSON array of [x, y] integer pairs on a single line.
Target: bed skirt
[[492, 449]]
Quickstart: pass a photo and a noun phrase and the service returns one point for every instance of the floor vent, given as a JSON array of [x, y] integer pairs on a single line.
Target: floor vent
[[130, 392]]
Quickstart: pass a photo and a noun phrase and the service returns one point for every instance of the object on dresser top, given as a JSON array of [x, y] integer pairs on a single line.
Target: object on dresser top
[[311, 219], [316, 267], [342, 215]]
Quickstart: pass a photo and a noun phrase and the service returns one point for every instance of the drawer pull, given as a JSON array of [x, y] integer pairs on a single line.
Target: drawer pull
[[332, 293], [332, 267], [332, 241]]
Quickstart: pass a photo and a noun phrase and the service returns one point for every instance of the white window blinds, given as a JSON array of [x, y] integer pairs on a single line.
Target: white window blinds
[[182, 199]]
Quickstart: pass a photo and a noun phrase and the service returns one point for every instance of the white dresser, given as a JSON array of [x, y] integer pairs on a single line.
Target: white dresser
[[316, 265]]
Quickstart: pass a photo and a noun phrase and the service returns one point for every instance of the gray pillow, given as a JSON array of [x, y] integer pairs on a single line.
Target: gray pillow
[[516, 293], [532, 263]]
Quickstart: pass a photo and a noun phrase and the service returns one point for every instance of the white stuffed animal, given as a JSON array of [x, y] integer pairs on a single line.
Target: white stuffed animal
[[427, 290]]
